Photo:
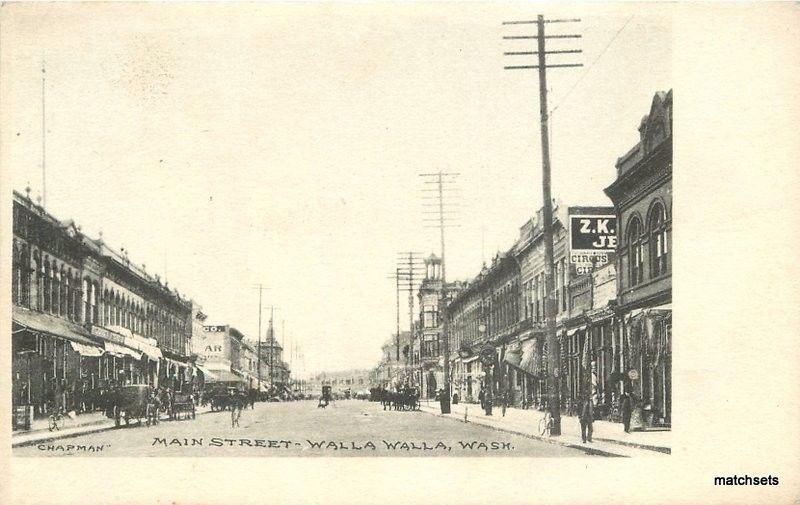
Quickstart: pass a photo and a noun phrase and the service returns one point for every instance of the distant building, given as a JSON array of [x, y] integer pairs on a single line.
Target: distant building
[[354, 381], [219, 353]]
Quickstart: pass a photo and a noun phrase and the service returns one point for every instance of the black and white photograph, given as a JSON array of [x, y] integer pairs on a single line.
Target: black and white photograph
[[319, 231]]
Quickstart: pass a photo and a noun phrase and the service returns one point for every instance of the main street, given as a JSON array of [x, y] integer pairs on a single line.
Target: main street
[[345, 428]]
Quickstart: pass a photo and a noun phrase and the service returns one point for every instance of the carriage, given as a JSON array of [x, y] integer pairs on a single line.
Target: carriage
[[223, 398], [405, 399], [325, 398], [130, 402], [183, 403]]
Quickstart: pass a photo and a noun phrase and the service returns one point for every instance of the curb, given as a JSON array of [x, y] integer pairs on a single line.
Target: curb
[[588, 450], [654, 448], [95, 427], [634, 445]]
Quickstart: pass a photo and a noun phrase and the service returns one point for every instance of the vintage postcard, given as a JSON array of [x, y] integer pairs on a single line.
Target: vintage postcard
[[406, 233]]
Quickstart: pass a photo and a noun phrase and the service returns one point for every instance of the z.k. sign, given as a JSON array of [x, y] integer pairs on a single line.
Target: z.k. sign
[[591, 239], [593, 233]]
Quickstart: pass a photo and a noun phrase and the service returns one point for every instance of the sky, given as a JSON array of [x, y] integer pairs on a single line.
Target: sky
[[226, 145]]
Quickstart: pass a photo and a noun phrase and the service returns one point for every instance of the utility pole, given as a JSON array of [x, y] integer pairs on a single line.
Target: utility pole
[[44, 144], [260, 288], [396, 277], [443, 182], [409, 264], [554, 358]]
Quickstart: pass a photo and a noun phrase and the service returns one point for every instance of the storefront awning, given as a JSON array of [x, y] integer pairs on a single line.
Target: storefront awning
[[121, 350], [470, 359], [87, 350], [51, 325], [142, 344], [223, 376], [152, 352], [206, 372], [573, 331], [531, 358], [513, 354], [175, 362]]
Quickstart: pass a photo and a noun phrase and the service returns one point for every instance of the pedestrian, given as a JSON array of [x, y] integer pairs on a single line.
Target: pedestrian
[[482, 398], [626, 407], [487, 400], [586, 416]]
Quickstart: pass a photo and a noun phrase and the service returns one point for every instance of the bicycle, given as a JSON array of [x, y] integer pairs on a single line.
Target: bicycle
[[546, 424]]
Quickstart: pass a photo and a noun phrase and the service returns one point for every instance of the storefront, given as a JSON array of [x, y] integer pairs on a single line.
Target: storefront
[[648, 355], [127, 359], [51, 361]]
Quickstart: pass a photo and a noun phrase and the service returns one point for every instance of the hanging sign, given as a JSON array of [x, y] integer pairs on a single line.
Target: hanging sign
[[488, 355], [591, 238]]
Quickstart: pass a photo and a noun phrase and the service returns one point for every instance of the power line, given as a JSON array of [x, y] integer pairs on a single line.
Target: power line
[[591, 65], [553, 381]]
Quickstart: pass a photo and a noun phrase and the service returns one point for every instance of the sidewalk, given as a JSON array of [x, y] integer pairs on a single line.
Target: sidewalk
[[609, 438], [83, 424]]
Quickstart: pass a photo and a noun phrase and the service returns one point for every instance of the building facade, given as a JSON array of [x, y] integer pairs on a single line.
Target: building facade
[[219, 356], [498, 319], [85, 316], [642, 196]]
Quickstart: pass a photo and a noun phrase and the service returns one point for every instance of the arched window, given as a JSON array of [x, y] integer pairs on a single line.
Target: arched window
[[25, 277], [15, 272], [62, 292], [106, 308], [658, 241], [39, 279], [117, 309], [95, 314], [66, 299], [87, 308], [48, 282], [76, 297], [55, 302], [635, 252]]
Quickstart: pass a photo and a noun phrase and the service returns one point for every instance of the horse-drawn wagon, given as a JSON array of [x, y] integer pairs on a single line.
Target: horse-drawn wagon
[[183, 402], [130, 402]]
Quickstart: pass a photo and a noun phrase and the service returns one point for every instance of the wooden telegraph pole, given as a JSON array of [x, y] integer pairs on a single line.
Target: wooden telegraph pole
[[554, 358]]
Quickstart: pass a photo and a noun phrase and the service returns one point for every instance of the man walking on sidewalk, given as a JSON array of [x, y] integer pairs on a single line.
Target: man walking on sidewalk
[[586, 417], [625, 407]]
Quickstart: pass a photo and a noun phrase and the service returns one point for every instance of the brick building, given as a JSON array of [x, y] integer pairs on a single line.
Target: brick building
[[642, 196], [84, 314]]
